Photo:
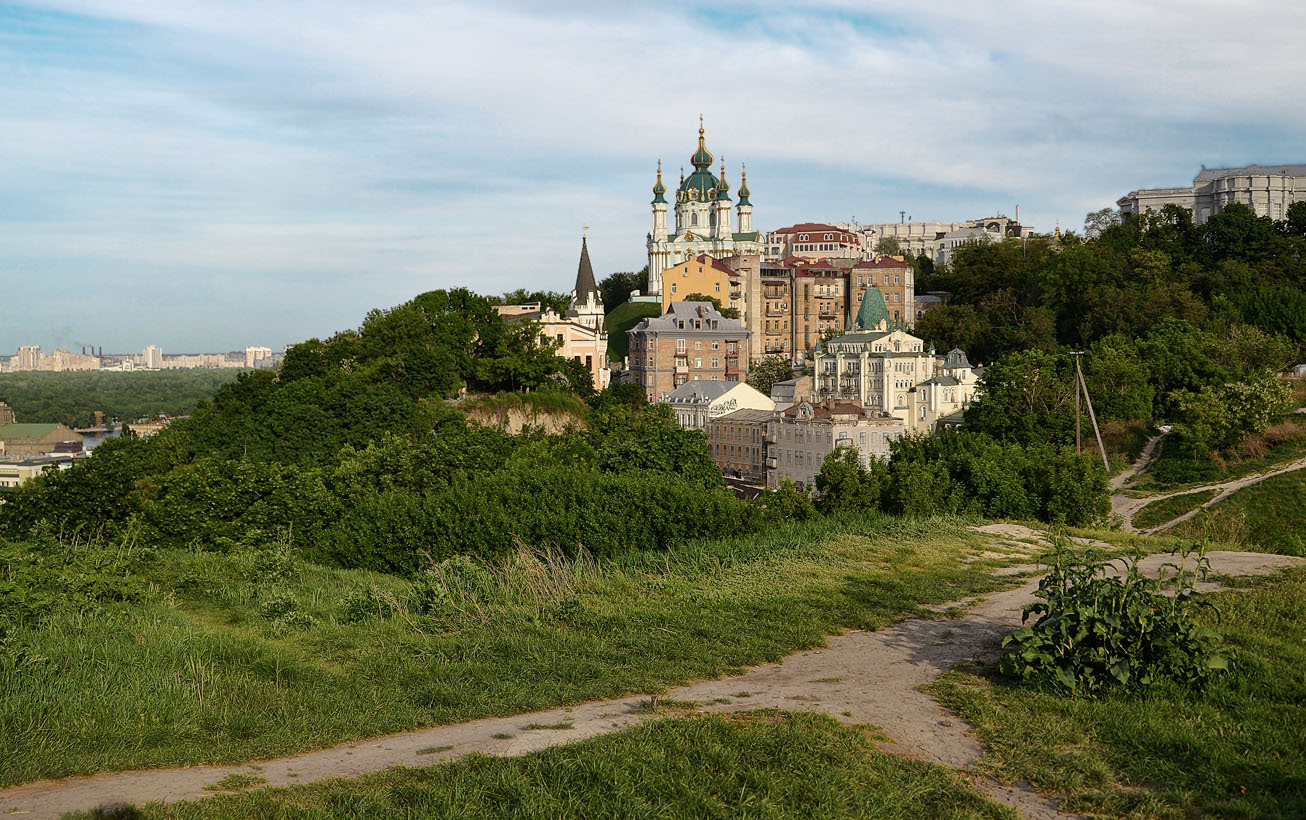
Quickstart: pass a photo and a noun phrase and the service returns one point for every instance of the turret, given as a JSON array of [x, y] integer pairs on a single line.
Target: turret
[[745, 207], [659, 207], [721, 206]]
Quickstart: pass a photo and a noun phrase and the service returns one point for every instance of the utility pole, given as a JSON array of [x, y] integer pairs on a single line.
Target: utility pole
[[1079, 447], [1079, 375], [902, 217]]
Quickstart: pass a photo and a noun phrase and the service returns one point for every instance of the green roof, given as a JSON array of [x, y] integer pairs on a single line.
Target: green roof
[[873, 311], [26, 431], [751, 236]]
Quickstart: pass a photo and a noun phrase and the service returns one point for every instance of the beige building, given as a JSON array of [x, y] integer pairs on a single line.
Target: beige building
[[698, 402], [30, 357], [691, 342], [891, 371], [580, 333], [799, 438], [14, 472], [1267, 190], [26, 440], [737, 442]]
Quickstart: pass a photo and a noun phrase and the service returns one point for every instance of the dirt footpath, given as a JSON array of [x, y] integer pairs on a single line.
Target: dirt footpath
[[861, 677]]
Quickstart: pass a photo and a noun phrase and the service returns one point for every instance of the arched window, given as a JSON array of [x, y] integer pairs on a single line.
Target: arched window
[[693, 219]]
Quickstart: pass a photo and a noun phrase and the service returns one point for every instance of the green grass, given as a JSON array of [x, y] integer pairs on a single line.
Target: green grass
[[1269, 515], [561, 725], [622, 318], [536, 402], [219, 661], [235, 782], [1175, 470], [761, 764], [1168, 509], [1238, 750]]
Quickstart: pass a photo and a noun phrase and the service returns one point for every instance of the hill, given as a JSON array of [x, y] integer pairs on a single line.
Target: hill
[[623, 318], [73, 397]]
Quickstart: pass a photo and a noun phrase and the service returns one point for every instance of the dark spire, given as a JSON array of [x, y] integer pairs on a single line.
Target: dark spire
[[585, 276]]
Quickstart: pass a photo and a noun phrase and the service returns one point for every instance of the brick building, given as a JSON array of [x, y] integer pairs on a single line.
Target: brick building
[[737, 442], [692, 341]]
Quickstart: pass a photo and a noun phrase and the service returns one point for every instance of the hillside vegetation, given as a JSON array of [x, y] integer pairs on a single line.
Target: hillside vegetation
[[622, 318], [72, 398]]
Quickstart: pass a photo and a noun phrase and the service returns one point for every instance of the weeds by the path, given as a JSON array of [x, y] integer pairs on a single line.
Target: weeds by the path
[[761, 764], [227, 658], [1236, 750], [1168, 509], [1268, 515]]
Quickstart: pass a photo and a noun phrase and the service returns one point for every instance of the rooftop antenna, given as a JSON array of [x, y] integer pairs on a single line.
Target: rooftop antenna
[[902, 216]]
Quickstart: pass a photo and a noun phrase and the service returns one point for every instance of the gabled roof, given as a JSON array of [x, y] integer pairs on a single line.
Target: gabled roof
[[882, 262], [702, 390], [945, 381], [747, 416], [956, 360]]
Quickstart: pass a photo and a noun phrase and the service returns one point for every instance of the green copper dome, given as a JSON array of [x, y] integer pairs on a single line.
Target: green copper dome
[[723, 187], [702, 159], [873, 311], [743, 186], [658, 188]]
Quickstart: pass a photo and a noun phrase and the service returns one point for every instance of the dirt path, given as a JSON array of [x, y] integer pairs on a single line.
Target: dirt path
[[861, 677], [1125, 506], [1145, 459]]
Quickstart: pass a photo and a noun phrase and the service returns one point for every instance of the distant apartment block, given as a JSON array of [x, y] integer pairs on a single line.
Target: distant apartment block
[[256, 357], [814, 240], [1267, 190], [152, 357]]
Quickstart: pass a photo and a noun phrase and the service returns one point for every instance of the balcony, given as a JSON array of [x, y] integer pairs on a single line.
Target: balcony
[[829, 313], [770, 311], [682, 368]]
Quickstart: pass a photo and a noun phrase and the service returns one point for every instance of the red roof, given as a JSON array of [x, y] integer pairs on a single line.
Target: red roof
[[809, 227], [882, 262]]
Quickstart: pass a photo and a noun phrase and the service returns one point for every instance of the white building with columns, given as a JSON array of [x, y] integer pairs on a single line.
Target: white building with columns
[[704, 222]]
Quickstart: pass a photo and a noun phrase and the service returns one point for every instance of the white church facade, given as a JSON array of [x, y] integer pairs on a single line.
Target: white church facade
[[704, 222]]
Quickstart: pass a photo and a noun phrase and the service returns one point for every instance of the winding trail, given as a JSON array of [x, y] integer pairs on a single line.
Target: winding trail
[[860, 677], [1144, 461], [1126, 506]]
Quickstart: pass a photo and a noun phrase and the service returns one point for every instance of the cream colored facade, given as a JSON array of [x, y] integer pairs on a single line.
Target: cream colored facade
[[814, 240], [800, 437], [893, 372], [20, 471], [1267, 189], [737, 442]]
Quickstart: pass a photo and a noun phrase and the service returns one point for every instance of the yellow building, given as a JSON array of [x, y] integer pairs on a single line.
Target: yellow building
[[702, 274]]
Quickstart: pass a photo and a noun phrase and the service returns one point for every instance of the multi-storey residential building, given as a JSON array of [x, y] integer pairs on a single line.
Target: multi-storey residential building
[[737, 444], [814, 240], [691, 342], [698, 402], [703, 218], [152, 357], [896, 281], [772, 322], [917, 238], [799, 438], [892, 371], [255, 354], [1267, 190], [579, 333], [819, 304]]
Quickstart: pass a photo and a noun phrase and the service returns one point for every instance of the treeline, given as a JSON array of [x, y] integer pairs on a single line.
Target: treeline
[[354, 454], [72, 397], [1179, 323]]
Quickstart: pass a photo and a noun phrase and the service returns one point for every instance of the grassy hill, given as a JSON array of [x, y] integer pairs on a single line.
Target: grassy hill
[[623, 318], [1269, 515]]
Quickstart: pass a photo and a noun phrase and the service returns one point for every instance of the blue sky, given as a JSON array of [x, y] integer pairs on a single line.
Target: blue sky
[[203, 175]]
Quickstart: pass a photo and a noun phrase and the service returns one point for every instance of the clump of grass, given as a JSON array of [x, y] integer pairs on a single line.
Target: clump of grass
[[235, 782], [503, 736], [559, 726], [433, 750]]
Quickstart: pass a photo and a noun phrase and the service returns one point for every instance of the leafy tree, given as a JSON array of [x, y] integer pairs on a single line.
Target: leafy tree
[[844, 485], [728, 312], [1026, 397], [888, 246], [1098, 222], [765, 372], [615, 288]]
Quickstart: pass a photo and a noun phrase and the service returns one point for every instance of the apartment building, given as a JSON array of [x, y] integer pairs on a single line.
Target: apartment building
[[800, 437], [737, 444], [691, 342], [697, 402]]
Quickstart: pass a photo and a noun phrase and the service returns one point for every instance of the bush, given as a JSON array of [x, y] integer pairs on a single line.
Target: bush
[[1098, 632]]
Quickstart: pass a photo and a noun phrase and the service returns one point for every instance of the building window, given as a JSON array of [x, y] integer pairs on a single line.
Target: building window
[[698, 363], [716, 363], [673, 287], [680, 345]]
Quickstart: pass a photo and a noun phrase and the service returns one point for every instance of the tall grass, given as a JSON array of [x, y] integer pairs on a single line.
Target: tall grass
[[230, 657]]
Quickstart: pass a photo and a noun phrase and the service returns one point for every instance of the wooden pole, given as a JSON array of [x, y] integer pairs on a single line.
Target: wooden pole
[[1092, 416]]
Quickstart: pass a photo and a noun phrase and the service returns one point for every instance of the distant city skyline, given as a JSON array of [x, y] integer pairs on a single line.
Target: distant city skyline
[[207, 175]]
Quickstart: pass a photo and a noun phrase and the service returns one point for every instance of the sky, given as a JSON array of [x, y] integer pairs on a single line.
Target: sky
[[209, 174]]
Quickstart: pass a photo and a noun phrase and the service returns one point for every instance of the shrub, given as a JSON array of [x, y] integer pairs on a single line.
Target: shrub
[[1097, 632]]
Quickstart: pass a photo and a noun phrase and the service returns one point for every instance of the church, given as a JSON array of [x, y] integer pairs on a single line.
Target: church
[[704, 223]]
